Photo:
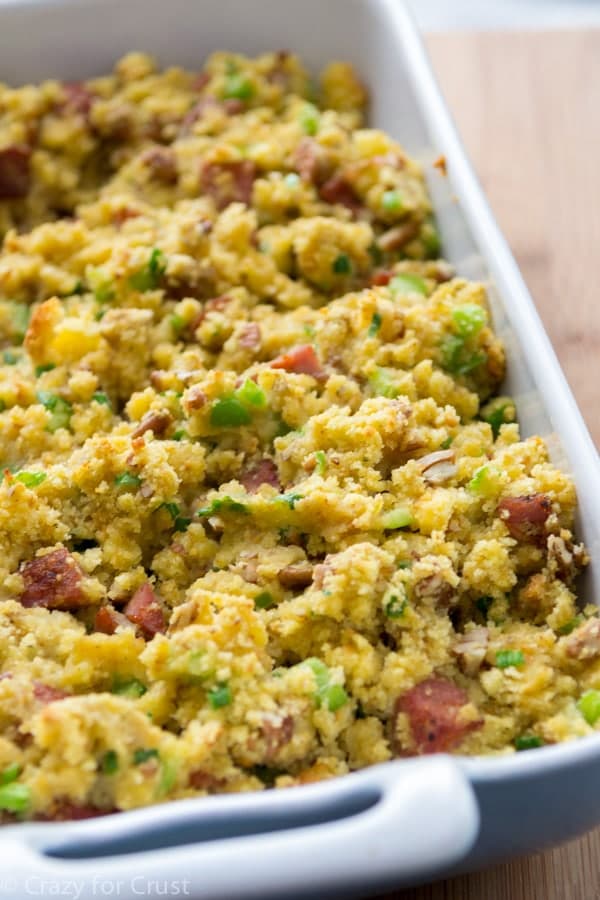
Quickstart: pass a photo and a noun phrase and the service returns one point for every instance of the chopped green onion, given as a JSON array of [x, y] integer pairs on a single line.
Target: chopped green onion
[[570, 626], [484, 481], [180, 435], [222, 504], [342, 264], [15, 797], [381, 381], [321, 459], [10, 358], [310, 119], [45, 367], [483, 604], [149, 278], [177, 323], [396, 518], [127, 479], [333, 696], [375, 325], [589, 706], [238, 87], [290, 499], [199, 665], [109, 764], [220, 696], [456, 358], [229, 412], [130, 687], [506, 658], [31, 479], [102, 398], [394, 607], [143, 754], [10, 773], [251, 394], [431, 240], [101, 284], [404, 564], [498, 412], [528, 742], [168, 775], [78, 288], [469, 319], [391, 201], [60, 409], [20, 320], [446, 443], [264, 601], [408, 283]]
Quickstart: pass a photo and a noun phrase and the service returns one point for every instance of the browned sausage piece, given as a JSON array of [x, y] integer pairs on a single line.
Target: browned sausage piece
[[53, 581], [525, 517], [433, 708], [296, 575], [145, 611], [15, 176]]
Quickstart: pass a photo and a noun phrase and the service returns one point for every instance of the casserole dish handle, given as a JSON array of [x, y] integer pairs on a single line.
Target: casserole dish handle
[[392, 823]]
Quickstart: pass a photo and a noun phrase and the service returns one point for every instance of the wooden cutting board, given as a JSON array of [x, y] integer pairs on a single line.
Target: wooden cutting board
[[528, 108]]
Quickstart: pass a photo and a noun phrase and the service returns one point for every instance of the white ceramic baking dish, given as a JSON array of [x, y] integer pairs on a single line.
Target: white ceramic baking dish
[[402, 822]]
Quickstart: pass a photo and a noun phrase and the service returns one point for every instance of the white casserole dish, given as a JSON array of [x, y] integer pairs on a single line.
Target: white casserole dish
[[403, 822]]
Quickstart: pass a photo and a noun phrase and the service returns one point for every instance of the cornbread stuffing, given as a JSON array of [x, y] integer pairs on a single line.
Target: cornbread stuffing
[[264, 516]]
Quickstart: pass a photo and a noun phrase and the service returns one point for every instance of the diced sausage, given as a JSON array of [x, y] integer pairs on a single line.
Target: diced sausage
[[161, 163], [200, 81], [525, 517], [53, 581], [434, 709], [107, 620], [302, 360], [435, 589], [205, 781], [65, 810], [78, 98], [262, 472], [15, 174], [296, 575], [278, 731], [145, 611], [471, 649], [250, 336], [381, 277], [584, 643], [195, 398], [312, 162], [157, 422], [337, 190], [47, 694], [229, 182]]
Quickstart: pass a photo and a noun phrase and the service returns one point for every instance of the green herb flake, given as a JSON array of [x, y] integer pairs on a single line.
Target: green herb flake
[[382, 384], [408, 283], [143, 754], [45, 367], [457, 358], [309, 119], [169, 771], [10, 773], [589, 706], [250, 394], [180, 435], [375, 325], [498, 412], [129, 687], [401, 517], [391, 201], [395, 606], [507, 658], [128, 479], [15, 797], [60, 410], [265, 600], [528, 742], [321, 458], [570, 626], [332, 696], [222, 504], [342, 265], [150, 277], [238, 87], [446, 443], [229, 412], [109, 764], [102, 285], [220, 696], [483, 604], [290, 499], [101, 398], [31, 479]]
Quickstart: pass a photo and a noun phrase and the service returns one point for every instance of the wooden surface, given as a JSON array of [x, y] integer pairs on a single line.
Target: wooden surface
[[528, 109]]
